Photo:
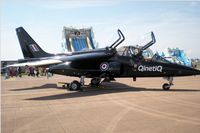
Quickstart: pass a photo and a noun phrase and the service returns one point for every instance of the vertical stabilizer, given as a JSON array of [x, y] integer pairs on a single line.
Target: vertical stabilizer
[[29, 47]]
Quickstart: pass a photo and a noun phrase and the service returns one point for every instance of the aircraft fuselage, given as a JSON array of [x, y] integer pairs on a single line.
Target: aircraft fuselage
[[120, 66]]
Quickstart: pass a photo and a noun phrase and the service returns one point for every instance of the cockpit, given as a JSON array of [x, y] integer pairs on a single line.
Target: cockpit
[[127, 51], [142, 51], [132, 51], [135, 52]]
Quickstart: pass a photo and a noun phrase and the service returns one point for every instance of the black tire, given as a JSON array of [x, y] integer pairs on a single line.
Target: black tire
[[63, 86], [166, 86], [75, 86], [95, 82]]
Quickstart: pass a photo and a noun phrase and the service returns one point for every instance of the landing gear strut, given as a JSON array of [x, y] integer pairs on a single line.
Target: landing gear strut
[[166, 86], [95, 81]]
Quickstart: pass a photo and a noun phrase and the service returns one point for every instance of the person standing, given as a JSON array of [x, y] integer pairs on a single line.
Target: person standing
[[37, 71], [19, 71], [6, 73]]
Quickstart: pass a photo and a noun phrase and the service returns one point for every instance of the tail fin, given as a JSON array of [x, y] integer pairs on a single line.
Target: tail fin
[[29, 47]]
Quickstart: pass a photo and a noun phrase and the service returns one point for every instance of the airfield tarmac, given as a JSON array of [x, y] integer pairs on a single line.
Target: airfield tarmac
[[37, 105]]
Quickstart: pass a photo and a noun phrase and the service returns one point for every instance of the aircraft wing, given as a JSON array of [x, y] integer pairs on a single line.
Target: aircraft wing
[[37, 63]]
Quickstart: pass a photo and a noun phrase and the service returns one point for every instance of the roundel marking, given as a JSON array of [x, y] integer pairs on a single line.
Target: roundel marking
[[104, 66]]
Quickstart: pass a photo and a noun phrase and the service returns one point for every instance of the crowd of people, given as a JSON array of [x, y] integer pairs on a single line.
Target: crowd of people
[[27, 70]]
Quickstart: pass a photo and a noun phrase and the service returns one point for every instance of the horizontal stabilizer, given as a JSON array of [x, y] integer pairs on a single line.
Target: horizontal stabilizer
[[36, 63]]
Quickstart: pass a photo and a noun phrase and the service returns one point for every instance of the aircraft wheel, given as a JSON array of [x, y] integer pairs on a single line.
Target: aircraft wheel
[[166, 86], [75, 85], [95, 81]]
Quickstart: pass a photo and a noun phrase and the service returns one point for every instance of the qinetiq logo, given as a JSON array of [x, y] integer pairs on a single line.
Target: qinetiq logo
[[143, 68]]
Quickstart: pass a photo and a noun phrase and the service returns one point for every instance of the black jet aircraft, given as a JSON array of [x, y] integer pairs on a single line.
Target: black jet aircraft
[[107, 63]]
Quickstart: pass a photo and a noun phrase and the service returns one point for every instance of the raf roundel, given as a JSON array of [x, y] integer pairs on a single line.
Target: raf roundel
[[104, 66]]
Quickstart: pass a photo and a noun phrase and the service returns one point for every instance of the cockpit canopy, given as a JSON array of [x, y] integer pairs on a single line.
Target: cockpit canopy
[[142, 51], [133, 51], [142, 47]]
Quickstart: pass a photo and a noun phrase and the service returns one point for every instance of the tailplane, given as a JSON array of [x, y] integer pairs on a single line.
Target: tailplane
[[29, 47]]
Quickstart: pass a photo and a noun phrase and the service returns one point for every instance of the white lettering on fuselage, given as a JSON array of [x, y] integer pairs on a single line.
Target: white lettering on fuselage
[[142, 68]]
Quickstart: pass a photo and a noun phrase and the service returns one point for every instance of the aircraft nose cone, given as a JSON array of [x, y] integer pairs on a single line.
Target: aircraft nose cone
[[192, 71], [181, 70], [197, 72]]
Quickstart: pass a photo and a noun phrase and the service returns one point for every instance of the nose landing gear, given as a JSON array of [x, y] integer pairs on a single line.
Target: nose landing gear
[[166, 86]]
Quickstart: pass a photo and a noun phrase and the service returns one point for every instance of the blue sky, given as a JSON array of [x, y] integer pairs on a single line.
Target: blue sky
[[175, 24]]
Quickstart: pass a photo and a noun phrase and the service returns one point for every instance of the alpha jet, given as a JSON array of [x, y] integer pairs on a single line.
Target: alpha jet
[[103, 63]]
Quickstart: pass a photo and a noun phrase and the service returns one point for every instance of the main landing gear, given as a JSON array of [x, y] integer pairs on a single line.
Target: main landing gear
[[77, 86], [95, 81], [166, 86]]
